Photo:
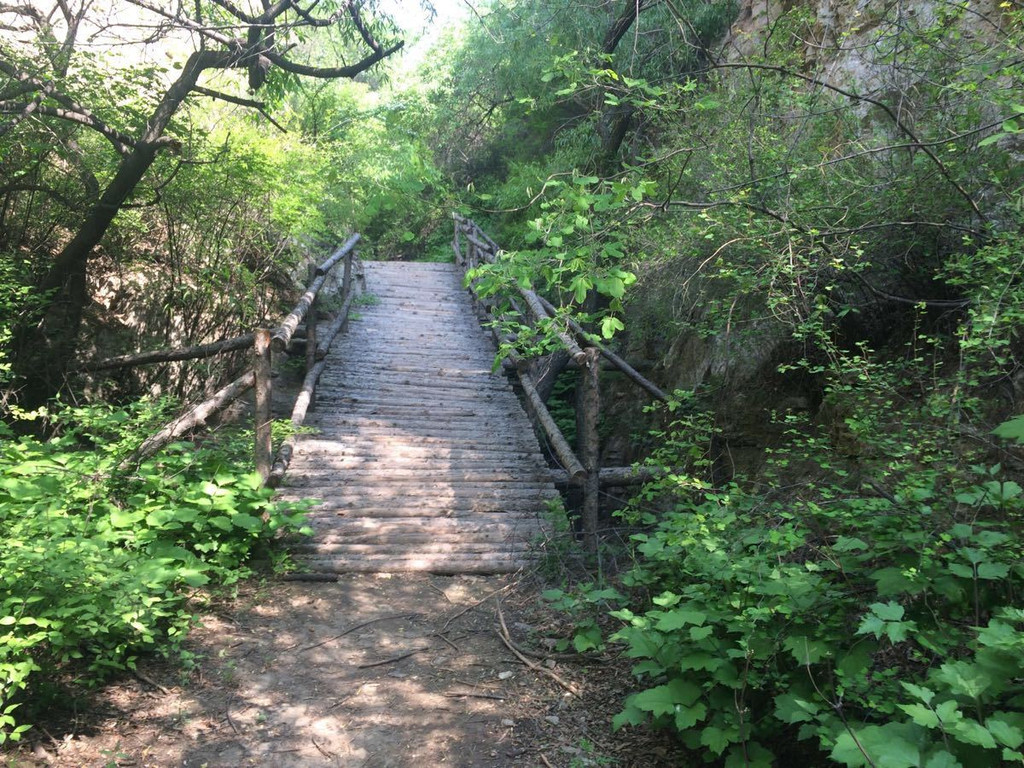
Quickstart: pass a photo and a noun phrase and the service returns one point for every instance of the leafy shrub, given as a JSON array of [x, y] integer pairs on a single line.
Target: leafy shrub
[[869, 612], [96, 565]]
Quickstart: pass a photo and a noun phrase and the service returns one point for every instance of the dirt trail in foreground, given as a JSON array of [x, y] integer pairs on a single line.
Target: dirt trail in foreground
[[373, 671]]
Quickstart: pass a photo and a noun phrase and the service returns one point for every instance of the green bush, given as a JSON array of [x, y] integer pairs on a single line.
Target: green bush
[[862, 603], [96, 565]]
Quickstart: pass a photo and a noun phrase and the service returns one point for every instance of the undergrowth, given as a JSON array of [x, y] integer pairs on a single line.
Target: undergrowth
[[857, 603], [98, 561]]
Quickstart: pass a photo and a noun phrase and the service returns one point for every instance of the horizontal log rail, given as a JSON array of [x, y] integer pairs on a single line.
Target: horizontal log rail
[[171, 355], [263, 343], [473, 248]]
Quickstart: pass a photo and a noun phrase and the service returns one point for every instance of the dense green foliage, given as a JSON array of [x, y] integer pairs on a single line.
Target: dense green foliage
[[811, 224], [816, 229], [99, 561]]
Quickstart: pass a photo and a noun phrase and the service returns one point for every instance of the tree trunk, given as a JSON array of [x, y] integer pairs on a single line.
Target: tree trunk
[[43, 349]]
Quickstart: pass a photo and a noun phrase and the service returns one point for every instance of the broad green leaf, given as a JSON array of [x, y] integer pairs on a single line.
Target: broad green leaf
[[246, 522], [888, 611], [716, 739], [631, 715], [687, 717], [973, 732], [1014, 428], [806, 650], [790, 708], [921, 715], [662, 699], [888, 746], [942, 760], [1005, 732], [849, 544], [678, 618], [965, 678], [609, 325], [993, 571], [919, 692]]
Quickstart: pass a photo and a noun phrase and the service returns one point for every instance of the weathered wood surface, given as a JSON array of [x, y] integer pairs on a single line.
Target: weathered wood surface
[[424, 459]]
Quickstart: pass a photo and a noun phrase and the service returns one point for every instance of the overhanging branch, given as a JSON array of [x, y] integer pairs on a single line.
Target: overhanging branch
[[259, 106], [330, 73]]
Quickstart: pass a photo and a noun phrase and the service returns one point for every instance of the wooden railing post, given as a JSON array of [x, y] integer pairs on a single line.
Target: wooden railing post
[[311, 341], [456, 243], [262, 417], [346, 280], [588, 406]]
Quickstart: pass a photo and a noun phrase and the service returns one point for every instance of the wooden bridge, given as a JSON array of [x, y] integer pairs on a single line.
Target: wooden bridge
[[422, 456]]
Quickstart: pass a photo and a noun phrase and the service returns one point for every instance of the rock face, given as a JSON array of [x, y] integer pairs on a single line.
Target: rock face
[[892, 75]]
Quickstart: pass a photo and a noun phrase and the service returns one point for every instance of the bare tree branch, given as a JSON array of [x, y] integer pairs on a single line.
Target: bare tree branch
[[902, 126], [331, 73], [67, 202], [121, 141], [259, 106]]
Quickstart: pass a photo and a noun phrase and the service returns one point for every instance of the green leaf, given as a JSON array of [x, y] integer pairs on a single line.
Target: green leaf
[[887, 746], [1014, 428], [919, 692], [942, 760], [247, 522], [857, 660], [888, 611], [849, 544], [993, 571], [790, 708], [1005, 732], [609, 325], [716, 739], [687, 717], [631, 715], [973, 732], [921, 715], [965, 678], [805, 650], [679, 618], [610, 286], [662, 699]]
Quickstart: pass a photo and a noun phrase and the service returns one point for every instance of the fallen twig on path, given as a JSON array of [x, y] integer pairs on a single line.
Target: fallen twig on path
[[148, 681], [321, 750], [227, 714], [353, 629], [469, 608], [507, 640], [327, 577], [474, 696], [393, 659]]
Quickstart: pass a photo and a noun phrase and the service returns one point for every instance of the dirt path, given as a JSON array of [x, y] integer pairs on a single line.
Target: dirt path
[[369, 672]]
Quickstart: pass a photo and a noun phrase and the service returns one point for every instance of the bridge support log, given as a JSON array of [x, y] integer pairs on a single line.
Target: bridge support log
[[262, 417], [588, 415], [190, 419]]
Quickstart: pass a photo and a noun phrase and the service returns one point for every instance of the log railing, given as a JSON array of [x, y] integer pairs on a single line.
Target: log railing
[[580, 467], [262, 342]]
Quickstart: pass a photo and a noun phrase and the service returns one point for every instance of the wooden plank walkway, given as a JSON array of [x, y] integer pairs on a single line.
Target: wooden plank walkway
[[424, 459]]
